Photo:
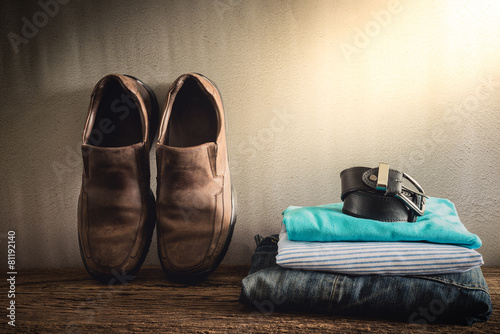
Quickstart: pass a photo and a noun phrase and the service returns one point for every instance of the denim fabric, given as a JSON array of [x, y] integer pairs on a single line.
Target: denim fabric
[[461, 298]]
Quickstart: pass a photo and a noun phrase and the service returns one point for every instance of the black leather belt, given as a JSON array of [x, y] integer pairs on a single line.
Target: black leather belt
[[379, 193]]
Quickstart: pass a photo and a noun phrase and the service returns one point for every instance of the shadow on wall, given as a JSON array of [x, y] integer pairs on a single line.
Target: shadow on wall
[[56, 45], [42, 121], [320, 80], [46, 158], [40, 175]]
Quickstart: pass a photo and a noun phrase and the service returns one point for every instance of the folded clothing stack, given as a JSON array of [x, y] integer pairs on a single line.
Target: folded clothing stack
[[422, 272], [437, 243]]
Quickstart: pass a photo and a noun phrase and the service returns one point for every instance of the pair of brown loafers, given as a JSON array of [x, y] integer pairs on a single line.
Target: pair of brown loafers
[[194, 209]]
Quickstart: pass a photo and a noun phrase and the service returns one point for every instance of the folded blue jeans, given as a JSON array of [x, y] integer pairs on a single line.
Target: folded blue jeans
[[460, 298]]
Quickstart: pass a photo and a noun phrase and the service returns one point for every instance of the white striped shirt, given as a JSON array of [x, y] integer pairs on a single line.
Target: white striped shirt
[[383, 258]]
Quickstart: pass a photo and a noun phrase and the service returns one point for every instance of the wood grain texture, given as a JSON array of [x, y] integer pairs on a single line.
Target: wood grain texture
[[67, 300]]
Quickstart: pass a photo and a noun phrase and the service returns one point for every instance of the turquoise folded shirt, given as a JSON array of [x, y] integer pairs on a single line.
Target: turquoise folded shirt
[[439, 224]]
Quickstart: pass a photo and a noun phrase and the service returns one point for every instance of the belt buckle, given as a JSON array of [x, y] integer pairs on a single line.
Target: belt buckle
[[420, 196]]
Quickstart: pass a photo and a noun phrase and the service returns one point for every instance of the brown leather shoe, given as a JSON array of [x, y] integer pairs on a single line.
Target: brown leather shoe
[[195, 202], [116, 208]]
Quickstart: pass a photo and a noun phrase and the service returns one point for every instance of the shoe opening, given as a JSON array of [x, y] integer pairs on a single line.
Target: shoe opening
[[194, 119], [117, 121]]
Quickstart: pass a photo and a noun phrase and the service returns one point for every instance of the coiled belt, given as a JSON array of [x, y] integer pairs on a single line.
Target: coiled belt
[[379, 194]]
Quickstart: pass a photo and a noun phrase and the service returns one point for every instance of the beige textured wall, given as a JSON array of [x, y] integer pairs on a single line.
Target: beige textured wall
[[310, 87]]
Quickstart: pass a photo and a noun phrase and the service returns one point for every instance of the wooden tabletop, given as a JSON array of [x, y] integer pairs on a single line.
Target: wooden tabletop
[[69, 301]]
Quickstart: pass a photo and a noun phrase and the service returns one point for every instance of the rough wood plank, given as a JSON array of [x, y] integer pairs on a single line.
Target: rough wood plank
[[67, 300]]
